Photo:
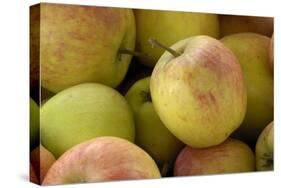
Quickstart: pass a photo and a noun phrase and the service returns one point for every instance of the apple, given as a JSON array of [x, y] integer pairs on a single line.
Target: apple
[[231, 156], [265, 149], [102, 159], [231, 24], [199, 91], [34, 124], [34, 67], [83, 112], [32, 176], [151, 134], [41, 159], [81, 44], [271, 52], [170, 27], [45, 94], [252, 51]]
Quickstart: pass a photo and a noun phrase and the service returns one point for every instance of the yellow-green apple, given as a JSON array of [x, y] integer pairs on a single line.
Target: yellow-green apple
[[170, 27], [32, 175], [265, 149], [81, 44], [251, 49], [271, 52], [199, 92], [231, 156], [231, 24], [151, 134], [41, 159], [102, 159], [34, 124], [83, 112]]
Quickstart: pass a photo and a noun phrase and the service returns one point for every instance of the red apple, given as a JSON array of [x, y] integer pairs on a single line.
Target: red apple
[[42, 160], [32, 176], [229, 157], [102, 159]]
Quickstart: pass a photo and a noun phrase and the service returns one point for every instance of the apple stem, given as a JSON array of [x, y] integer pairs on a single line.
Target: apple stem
[[133, 53], [164, 169], [154, 42]]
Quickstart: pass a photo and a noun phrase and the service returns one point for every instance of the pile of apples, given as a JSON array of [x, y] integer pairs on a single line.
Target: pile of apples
[[119, 94]]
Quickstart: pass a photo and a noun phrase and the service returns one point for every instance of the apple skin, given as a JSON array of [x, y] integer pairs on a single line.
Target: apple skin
[[231, 156], [32, 175], [230, 24], [34, 73], [252, 51], [265, 149], [81, 44], [151, 133], [200, 96], [83, 112], [168, 27], [102, 159], [34, 124], [41, 159], [271, 53]]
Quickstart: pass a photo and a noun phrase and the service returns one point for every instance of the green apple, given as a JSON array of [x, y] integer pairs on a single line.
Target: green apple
[[102, 159], [231, 24], [265, 149], [83, 112], [231, 156], [199, 93], [81, 44], [252, 51], [170, 27], [151, 134], [34, 124]]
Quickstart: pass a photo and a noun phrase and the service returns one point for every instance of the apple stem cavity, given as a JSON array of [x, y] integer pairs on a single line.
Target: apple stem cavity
[[154, 42], [164, 169]]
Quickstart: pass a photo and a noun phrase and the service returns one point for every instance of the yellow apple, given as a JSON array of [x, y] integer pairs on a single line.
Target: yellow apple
[[169, 27], [81, 44], [251, 49], [200, 95], [151, 134], [231, 24], [265, 149]]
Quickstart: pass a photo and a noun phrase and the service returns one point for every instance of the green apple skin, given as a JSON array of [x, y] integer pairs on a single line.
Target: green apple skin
[[232, 156], [34, 124], [168, 27], [102, 159], [200, 96], [252, 51], [80, 44], [265, 149], [230, 24], [151, 133], [83, 112]]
